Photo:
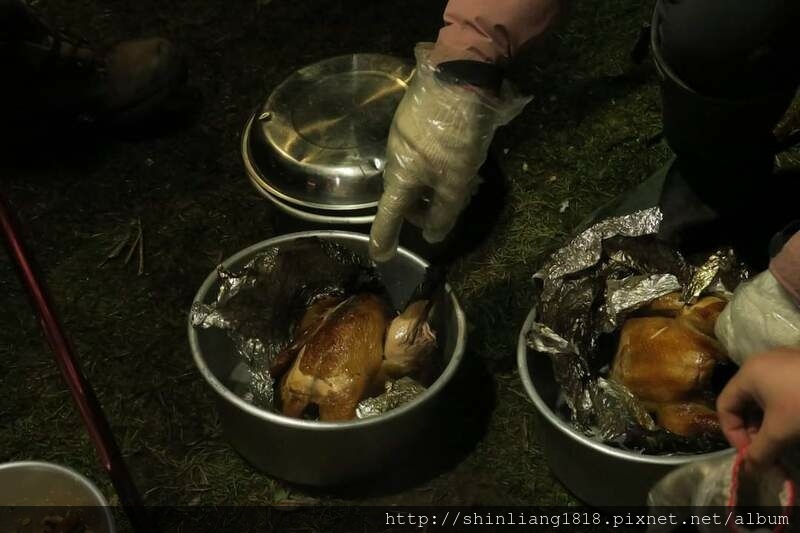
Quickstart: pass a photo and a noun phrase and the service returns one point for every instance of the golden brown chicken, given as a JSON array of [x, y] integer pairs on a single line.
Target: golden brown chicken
[[312, 320], [667, 362], [338, 357], [687, 419], [410, 341]]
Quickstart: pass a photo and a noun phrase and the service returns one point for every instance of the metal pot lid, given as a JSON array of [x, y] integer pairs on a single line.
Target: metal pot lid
[[319, 140]]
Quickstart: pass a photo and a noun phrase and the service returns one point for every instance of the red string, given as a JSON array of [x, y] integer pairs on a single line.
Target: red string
[[733, 496]]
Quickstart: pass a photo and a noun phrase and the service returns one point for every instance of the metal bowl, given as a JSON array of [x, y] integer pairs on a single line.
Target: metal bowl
[[324, 453], [598, 474], [48, 487], [319, 141]]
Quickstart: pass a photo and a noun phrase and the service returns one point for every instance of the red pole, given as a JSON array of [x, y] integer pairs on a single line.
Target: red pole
[[82, 393]]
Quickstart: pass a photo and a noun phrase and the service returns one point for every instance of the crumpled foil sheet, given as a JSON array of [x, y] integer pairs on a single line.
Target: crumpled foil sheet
[[628, 294], [585, 250], [585, 292], [257, 304], [396, 393]]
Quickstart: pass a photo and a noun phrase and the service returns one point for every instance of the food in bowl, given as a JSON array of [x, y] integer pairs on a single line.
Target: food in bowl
[[337, 360], [68, 523], [614, 276], [339, 355], [666, 357], [319, 333]]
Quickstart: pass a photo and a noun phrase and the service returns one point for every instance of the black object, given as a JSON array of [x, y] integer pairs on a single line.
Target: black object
[[431, 287], [780, 239], [466, 72], [725, 85], [735, 49], [642, 46]]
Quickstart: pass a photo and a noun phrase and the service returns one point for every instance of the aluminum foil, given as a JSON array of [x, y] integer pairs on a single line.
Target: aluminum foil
[[396, 394], [585, 292], [585, 250], [625, 295], [258, 304]]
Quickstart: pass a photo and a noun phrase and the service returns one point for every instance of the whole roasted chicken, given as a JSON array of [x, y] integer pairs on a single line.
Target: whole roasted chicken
[[338, 353], [346, 349], [667, 358]]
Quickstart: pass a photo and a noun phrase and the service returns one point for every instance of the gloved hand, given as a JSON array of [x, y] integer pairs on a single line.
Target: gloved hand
[[760, 316], [439, 138]]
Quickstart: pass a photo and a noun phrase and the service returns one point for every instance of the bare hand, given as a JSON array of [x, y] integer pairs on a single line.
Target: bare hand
[[759, 409]]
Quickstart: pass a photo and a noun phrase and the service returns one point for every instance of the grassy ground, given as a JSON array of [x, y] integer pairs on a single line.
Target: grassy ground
[[584, 138]]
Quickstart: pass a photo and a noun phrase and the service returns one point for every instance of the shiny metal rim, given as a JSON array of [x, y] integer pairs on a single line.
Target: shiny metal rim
[[304, 215], [340, 160], [230, 397], [256, 176], [570, 432]]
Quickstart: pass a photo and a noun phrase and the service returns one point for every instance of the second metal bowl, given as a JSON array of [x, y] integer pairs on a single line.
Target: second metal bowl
[[598, 474], [31, 490]]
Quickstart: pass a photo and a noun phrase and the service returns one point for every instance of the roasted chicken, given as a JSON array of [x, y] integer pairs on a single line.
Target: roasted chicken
[[667, 361], [687, 419], [339, 352], [312, 320], [409, 341]]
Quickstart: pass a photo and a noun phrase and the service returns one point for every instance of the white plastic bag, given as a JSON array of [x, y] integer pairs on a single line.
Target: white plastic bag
[[730, 498], [760, 316]]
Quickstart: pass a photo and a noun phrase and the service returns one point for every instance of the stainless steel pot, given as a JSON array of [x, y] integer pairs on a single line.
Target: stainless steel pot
[[317, 453], [599, 475], [31, 490], [319, 141], [308, 214]]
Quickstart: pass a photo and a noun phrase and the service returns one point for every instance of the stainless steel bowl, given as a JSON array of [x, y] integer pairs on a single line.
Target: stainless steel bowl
[[319, 141], [599, 475], [324, 453], [48, 487]]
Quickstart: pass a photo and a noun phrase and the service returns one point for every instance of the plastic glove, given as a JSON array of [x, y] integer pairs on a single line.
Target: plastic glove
[[703, 488], [760, 316], [759, 408], [439, 138]]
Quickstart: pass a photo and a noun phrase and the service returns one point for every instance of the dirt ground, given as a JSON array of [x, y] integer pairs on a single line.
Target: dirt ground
[[590, 133]]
